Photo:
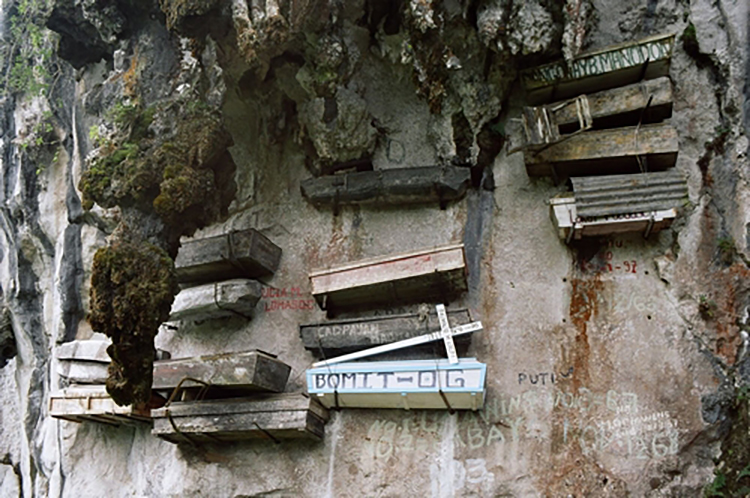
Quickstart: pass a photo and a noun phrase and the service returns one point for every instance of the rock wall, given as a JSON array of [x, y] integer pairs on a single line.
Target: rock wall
[[629, 381]]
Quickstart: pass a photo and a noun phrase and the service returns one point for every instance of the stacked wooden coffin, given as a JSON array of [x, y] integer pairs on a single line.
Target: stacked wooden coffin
[[340, 380], [83, 367], [218, 275], [605, 114], [228, 397]]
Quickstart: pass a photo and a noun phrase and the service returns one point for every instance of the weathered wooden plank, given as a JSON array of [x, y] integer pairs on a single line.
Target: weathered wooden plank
[[245, 253], [85, 350], [599, 70], [336, 337], [249, 371], [438, 184], [419, 276], [283, 416], [84, 372], [216, 300], [417, 384], [92, 403], [607, 152]]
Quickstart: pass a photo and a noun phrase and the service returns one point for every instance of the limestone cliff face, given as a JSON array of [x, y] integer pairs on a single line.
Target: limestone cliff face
[[650, 366]]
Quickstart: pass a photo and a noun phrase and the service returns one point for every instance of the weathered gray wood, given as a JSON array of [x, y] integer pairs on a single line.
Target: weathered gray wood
[[216, 300], [92, 403], [414, 277], [390, 186], [83, 372], [281, 416], [249, 371], [95, 351], [607, 68], [245, 253], [607, 152], [86, 361], [333, 338]]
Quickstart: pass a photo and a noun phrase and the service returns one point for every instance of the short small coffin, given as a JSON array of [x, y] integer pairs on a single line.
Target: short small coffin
[[273, 417], [93, 404], [414, 384], [245, 253], [414, 277], [247, 371], [217, 300]]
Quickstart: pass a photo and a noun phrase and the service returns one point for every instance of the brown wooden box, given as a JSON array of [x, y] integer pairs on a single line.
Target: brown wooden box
[[272, 417], [246, 253]]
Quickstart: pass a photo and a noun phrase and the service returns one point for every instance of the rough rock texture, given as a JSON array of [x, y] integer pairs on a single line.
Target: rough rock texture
[[649, 359]]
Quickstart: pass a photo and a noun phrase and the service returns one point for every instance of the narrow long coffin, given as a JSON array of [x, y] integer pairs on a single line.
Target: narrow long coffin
[[216, 300], [92, 403], [246, 253], [646, 102], [416, 384], [247, 371], [86, 361], [599, 70], [418, 276], [272, 417], [336, 337], [604, 205], [390, 186], [612, 151]]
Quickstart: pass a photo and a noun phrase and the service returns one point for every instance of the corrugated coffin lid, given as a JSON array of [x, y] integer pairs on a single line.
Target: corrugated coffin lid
[[611, 195]]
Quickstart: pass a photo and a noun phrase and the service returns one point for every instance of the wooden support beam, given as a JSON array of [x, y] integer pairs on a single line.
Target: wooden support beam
[[92, 403], [247, 371], [607, 152], [245, 253], [216, 300], [275, 417], [414, 277]]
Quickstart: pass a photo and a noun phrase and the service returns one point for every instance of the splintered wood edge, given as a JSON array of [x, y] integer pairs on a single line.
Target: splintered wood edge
[[385, 259]]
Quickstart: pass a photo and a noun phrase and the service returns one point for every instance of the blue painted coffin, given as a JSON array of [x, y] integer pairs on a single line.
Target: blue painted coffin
[[414, 384]]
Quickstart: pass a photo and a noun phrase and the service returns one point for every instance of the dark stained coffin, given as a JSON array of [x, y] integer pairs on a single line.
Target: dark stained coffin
[[389, 186], [646, 102], [216, 300], [245, 253], [414, 384], [602, 152], [93, 404], [273, 417], [246, 371], [599, 70], [412, 277], [337, 337], [604, 205]]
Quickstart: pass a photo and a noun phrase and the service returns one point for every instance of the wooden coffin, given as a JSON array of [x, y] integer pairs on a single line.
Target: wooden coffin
[[336, 337], [604, 205], [645, 102], [419, 276], [216, 300], [246, 371], [414, 384], [237, 254], [86, 361], [92, 403], [438, 184], [273, 417], [599, 70], [606, 152]]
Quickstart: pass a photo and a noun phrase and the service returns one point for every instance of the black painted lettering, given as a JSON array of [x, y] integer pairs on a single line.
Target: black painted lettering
[[348, 376], [543, 375], [521, 378], [331, 379], [365, 384], [533, 379], [422, 383], [320, 381], [457, 381], [385, 375]]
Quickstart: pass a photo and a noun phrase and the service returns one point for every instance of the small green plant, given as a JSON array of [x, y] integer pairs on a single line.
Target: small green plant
[[727, 250], [706, 307], [717, 486]]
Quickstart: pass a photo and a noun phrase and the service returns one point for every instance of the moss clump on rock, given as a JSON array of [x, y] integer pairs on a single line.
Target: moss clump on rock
[[132, 289]]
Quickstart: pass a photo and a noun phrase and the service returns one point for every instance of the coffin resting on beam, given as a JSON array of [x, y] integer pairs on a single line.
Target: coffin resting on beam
[[415, 384], [86, 361], [645, 102], [242, 372], [216, 300], [413, 277], [93, 404], [599, 70], [272, 417], [439, 184], [245, 253], [605, 152], [336, 337], [604, 205]]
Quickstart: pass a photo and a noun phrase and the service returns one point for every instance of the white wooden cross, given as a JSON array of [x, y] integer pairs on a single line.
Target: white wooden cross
[[446, 333]]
